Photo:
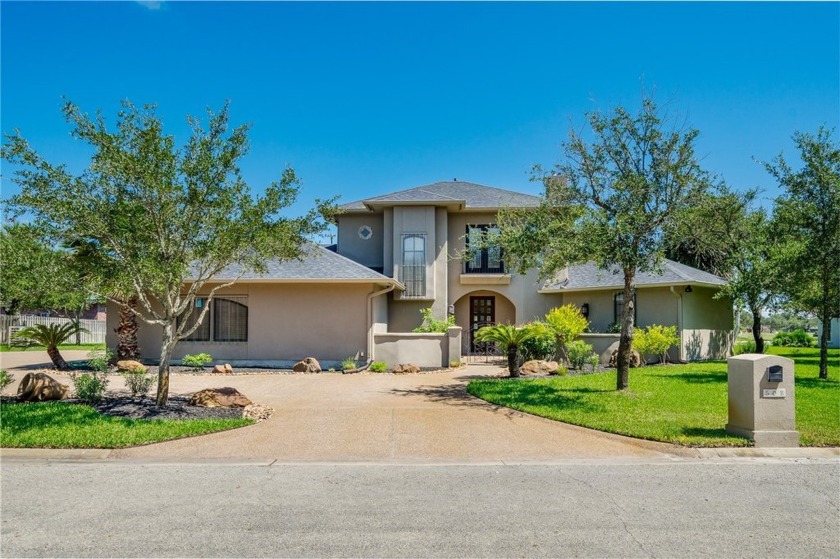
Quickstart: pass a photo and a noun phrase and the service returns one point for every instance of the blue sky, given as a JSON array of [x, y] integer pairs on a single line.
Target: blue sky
[[365, 98]]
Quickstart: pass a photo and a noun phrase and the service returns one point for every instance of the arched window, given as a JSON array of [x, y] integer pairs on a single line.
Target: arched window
[[413, 269]]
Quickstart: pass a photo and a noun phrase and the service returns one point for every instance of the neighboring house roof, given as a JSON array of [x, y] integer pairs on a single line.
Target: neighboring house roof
[[588, 276], [317, 264], [461, 193]]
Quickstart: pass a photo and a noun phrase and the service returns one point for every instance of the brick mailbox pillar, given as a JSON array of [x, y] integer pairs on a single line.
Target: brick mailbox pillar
[[761, 400]]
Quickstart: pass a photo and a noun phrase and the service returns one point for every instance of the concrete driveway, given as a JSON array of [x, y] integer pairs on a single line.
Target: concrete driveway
[[368, 417]]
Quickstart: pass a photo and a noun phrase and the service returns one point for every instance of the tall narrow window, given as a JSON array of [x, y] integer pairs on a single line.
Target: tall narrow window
[[230, 321], [202, 333], [618, 301], [414, 265]]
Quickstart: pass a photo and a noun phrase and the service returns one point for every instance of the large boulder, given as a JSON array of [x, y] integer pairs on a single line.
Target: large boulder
[[225, 397], [635, 358], [406, 368], [539, 367], [225, 369], [308, 365], [40, 387], [130, 366]]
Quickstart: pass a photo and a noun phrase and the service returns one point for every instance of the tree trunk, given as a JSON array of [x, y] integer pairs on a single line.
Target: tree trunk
[[625, 343], [166, 349], [57, 359], [756, 328], [826, 330], [126, 330], [511, 356]]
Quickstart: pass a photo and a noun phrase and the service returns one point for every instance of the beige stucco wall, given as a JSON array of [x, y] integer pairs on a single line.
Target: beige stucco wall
[[368, 252], [285, 322], [707, 325], [654, 305], [423, 350]]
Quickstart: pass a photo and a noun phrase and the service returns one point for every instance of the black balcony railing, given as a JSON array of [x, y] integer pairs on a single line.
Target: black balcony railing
[[483, 265]]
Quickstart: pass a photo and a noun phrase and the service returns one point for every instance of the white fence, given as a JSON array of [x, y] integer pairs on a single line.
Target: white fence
[[95, 328]]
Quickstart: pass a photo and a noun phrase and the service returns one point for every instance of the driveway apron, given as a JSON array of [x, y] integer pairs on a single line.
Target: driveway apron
[[369, 417]]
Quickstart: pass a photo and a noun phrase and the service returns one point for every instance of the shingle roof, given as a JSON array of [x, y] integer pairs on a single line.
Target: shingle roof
[[589, 276], [317, 263], [472, 194]]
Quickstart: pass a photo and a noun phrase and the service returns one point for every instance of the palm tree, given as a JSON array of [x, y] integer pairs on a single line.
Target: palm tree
[[51, 336], [509, 338]]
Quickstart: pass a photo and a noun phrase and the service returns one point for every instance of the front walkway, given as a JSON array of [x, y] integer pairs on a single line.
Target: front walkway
[[370, 417]]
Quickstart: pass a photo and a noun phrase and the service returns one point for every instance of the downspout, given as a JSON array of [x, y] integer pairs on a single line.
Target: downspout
[[370, 298], [679, 322]]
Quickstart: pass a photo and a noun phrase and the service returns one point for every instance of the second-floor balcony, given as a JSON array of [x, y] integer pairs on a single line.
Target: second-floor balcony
[[485, 267]]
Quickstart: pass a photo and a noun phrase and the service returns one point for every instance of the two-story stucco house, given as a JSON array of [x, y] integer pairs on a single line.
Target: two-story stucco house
[[397, 254]]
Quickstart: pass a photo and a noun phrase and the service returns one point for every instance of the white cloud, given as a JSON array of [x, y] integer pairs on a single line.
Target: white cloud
[[152, 5]]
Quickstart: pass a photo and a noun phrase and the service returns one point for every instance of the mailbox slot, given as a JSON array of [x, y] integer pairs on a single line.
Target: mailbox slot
[[774, 373]]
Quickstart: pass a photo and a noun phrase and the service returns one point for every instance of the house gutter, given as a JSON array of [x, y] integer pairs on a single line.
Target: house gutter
[[370, 298], [679, 321]]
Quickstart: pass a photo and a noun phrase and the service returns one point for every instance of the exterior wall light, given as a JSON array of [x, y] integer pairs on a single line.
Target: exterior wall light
[[584, 310], [688, 289]]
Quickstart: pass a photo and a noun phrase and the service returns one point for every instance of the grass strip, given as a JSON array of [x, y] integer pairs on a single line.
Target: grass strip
[[65, 425], [681, 404]]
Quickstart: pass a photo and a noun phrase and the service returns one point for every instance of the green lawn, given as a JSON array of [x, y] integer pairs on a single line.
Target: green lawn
[[682, 404], [64, 425], [84, 347]]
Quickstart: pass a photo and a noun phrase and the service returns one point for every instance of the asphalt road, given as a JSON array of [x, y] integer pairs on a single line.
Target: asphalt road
[[735, 508]]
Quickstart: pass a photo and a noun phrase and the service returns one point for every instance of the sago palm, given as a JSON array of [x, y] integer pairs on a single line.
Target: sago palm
[[51, 336], [509, 338]]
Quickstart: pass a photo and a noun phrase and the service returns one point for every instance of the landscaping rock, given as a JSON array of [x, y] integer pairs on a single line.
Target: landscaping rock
[[308, 365], [406, 368], [40, 387], [539, 367], [635, 358], [225, 397], [257, 412], [225, 369], [130, 365]]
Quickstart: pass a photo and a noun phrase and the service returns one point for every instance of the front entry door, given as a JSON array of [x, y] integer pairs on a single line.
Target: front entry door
[[482, 313]]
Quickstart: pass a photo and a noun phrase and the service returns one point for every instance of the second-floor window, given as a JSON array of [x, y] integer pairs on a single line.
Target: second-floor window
[[485, 260], [414, 265]]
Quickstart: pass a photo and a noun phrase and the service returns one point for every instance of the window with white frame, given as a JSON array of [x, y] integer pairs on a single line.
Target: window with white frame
[[413, 271], [226, 321]]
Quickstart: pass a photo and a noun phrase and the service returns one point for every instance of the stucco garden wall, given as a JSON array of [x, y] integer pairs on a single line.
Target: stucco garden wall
[[423, 350]]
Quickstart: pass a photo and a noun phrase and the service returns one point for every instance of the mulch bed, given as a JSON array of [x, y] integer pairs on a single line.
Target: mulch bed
[[177, 407]]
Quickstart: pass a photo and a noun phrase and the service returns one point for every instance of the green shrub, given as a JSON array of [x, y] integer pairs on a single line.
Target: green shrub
[[594, 361], [197, 361], [100, 360], [90, 387], [348, 364], [454, 364], [568, 323], [747, 346], [797, 338], [655, 340], [561, 371], [378, 367], [138, 382], [432, 325], [543, 344], [580, 353], [6, 378], [614, 328]]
